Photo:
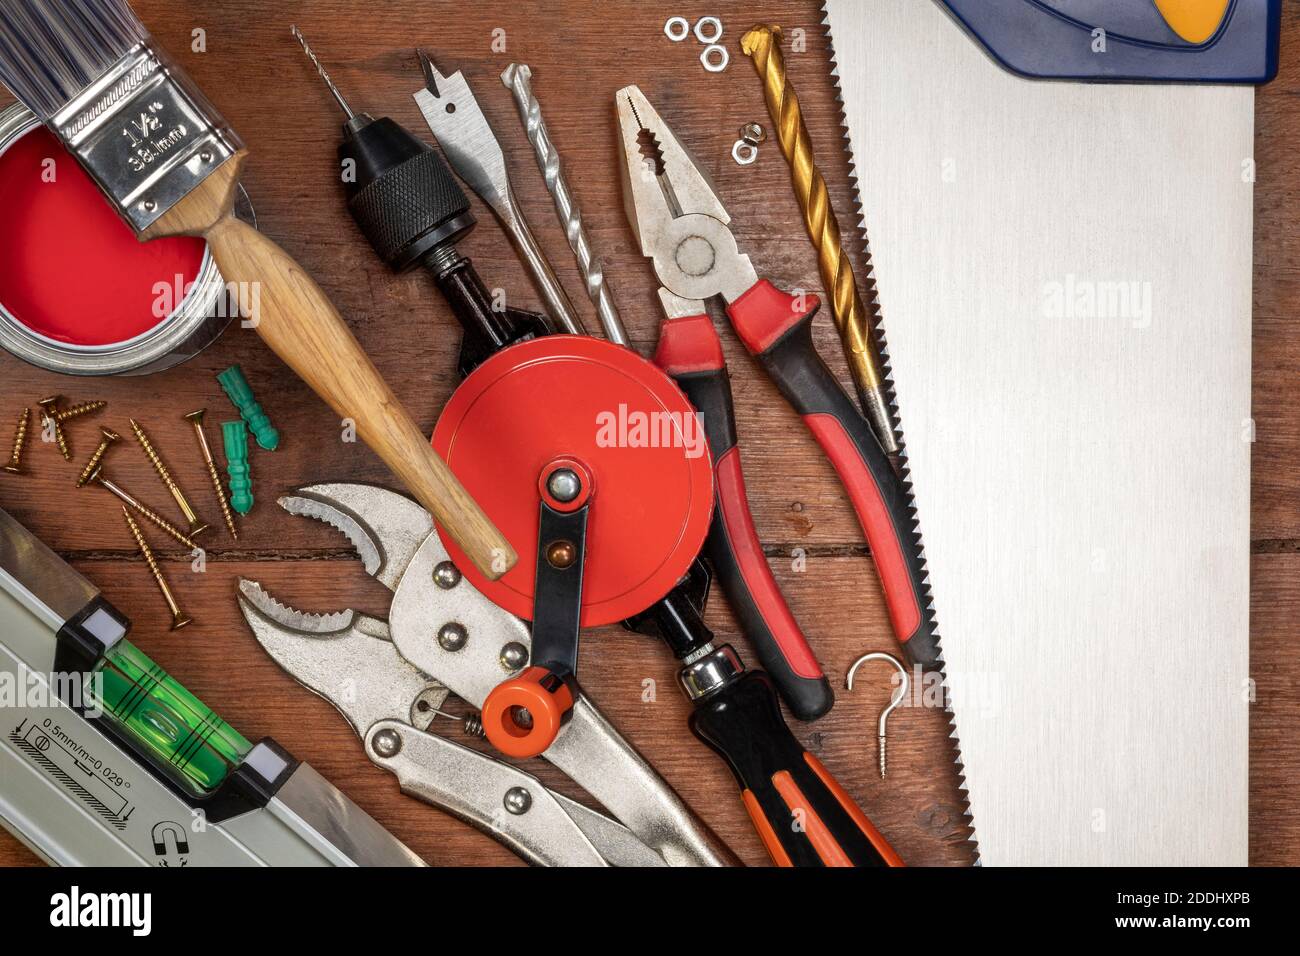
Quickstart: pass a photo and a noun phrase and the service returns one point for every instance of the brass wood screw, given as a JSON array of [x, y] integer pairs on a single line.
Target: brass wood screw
[[179, 618], [196, 526], [109, 436], [97, 477], [76, 411], [854, 321], [15, 466], [50, 414], [196, 419]]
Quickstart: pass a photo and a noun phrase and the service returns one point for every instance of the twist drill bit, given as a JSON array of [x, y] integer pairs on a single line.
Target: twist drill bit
[[329, 83], [196, 525], [179, 619], [854, 322], [76, 411], [517, 78], [15, 466], [50, 416], [97, 477], [108, 436], [196, 419]]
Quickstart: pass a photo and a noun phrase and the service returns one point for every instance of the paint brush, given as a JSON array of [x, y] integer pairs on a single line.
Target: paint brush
[[170, 164]]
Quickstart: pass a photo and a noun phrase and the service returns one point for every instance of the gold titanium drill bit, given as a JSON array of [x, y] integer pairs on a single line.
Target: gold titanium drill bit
[[97, 477], [76, 411], [196, 419], [854, 322], [15, 466], [108, 436], [179, 619], [196, 525], [517, 78], [50, 416]]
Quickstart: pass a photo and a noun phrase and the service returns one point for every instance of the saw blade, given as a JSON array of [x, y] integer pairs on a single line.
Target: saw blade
[[872, 300], [1065, 274]]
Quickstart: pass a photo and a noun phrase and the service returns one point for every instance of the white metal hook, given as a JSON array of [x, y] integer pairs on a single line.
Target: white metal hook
[[894, 701]]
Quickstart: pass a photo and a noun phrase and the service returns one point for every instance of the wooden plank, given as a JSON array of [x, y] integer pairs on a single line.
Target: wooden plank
[[256, 74]]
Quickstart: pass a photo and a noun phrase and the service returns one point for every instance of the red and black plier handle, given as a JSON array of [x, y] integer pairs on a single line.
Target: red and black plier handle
[[776, 328]]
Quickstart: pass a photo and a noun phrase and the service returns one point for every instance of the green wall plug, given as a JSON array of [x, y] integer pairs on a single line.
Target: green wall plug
[[238, 391], [235, 437]]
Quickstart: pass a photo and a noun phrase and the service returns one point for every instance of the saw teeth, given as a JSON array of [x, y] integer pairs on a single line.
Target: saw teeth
[[291, 618], [353, 528]]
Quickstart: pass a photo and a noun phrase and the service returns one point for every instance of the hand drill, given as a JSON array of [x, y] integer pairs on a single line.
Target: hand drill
[[412, 211]]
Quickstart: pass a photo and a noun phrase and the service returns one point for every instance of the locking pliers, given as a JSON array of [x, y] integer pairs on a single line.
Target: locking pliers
[[390, 679]]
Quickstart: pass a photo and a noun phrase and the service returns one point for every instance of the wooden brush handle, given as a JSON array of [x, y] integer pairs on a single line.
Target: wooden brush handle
[[301, 326]]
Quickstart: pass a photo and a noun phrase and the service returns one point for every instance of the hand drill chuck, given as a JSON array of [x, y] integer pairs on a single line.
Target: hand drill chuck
[[400, 191], [412, 210]]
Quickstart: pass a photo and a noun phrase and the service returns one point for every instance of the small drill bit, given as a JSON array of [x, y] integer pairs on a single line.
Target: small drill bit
[[196, 525], [97, 477], [108, 436], [76, 411], [50, 417], [196, 419], [856, 324], [334, 91], [15, 466], [517, 78], [179, 619]]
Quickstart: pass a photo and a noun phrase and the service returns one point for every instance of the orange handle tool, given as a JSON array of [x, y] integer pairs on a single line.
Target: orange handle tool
[[803, 815]]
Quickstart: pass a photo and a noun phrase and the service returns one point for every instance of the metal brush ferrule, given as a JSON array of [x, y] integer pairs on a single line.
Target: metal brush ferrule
[[146, 135]]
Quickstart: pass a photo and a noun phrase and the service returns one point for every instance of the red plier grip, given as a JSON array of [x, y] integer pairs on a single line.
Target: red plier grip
[[777, 329], [689, 351]]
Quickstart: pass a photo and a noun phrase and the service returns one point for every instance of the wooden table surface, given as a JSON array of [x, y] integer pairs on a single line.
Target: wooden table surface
[[581, 53]]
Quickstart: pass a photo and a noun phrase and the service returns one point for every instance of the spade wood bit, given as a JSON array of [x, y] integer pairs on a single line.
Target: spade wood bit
[[470, 145], [854, 321]]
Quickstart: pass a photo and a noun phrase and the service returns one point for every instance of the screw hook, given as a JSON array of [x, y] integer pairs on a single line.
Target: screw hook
[[894, 700]]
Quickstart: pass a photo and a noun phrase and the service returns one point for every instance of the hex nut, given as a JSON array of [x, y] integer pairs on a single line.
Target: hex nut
[[677, 29], [711, 24]]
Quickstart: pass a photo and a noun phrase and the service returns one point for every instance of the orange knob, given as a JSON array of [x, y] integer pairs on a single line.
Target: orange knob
[[547, 699]]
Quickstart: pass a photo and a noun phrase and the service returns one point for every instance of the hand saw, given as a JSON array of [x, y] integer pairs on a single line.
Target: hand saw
[[1065, 270]]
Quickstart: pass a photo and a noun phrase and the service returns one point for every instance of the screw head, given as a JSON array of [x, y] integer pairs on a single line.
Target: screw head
[[387, 743], [110, 436], [196, 418], [446, 575], [206, 155], [564, 484], [561, 554], [149, 205], [514, 656], [518, 800], [452, 636]]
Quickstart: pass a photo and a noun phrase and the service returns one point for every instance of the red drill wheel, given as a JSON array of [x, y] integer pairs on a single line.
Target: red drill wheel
[[632, 430]]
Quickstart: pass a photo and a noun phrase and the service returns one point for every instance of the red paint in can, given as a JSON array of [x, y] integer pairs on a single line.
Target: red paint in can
[[70, 269]]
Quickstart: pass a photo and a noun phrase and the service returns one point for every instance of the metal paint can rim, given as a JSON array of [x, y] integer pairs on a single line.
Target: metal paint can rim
[[192, 326]]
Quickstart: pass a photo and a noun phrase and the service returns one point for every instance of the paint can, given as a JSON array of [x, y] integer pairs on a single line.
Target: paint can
[[78, 293]]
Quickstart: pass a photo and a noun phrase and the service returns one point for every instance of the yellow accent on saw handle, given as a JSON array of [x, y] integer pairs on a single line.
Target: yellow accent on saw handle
[[1193, 20]]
